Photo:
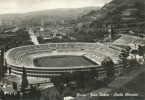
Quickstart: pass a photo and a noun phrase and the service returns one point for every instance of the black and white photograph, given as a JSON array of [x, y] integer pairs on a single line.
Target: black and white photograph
[[72, 49]]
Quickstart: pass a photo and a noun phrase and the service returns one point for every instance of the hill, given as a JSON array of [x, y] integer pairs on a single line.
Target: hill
[[100, 14], [65, 12], [119, 16]]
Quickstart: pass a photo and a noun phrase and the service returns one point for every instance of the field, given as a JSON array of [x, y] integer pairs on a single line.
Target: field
[[63, 61]]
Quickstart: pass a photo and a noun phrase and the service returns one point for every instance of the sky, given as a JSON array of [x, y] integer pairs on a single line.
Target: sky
[[23, 6]]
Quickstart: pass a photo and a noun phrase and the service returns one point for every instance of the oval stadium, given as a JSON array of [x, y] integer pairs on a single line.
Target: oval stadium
[[52, 59]]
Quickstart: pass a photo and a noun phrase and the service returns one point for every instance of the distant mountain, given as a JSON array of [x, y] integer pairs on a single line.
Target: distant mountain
[[62, 12]]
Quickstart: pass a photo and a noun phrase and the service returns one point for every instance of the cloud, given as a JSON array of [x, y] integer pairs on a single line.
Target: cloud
[[21, 6]]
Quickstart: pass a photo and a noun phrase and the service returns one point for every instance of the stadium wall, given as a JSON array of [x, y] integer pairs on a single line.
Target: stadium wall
[[20, 57], [56, 71]]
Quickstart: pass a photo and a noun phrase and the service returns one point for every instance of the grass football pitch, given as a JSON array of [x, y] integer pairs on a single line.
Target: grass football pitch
[[63, 61]]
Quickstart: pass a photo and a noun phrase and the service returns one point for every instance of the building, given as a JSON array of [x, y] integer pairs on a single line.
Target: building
[[44, 34], [69, 98], [131, 12], [2, 22], [7, 22], [20, 57], [9, 90]]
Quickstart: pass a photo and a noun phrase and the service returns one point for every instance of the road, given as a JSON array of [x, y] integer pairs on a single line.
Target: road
[[33, 38]]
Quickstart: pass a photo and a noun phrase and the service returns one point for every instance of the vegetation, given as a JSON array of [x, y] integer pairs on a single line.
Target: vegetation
[[112, 33], [9, 70], [24, 83], [98, 28], [9, 96], [14, 85], [109, 66], [87, 33], [20, 38], [3, 68], [123, 57], [80, 81], [141, 50], [32, 94], [40, 39], [72, 83], [2, 57], [1, 94]]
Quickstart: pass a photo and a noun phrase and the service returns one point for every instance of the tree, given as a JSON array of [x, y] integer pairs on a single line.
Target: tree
[[79, 78], [109, 67], [2, 94], [35, 94], [112, 33], [133, 63], [94, 73], [65, 78], [134, 52], [24, 83], [2, 57], [60, 89], [141, 50], [55, 80], [14, 85], [3, 69], [2, 74], [9, 70], [40, 39], [123, 58]]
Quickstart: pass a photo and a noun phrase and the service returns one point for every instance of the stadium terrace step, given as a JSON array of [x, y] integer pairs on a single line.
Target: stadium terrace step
[[24, 56]]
